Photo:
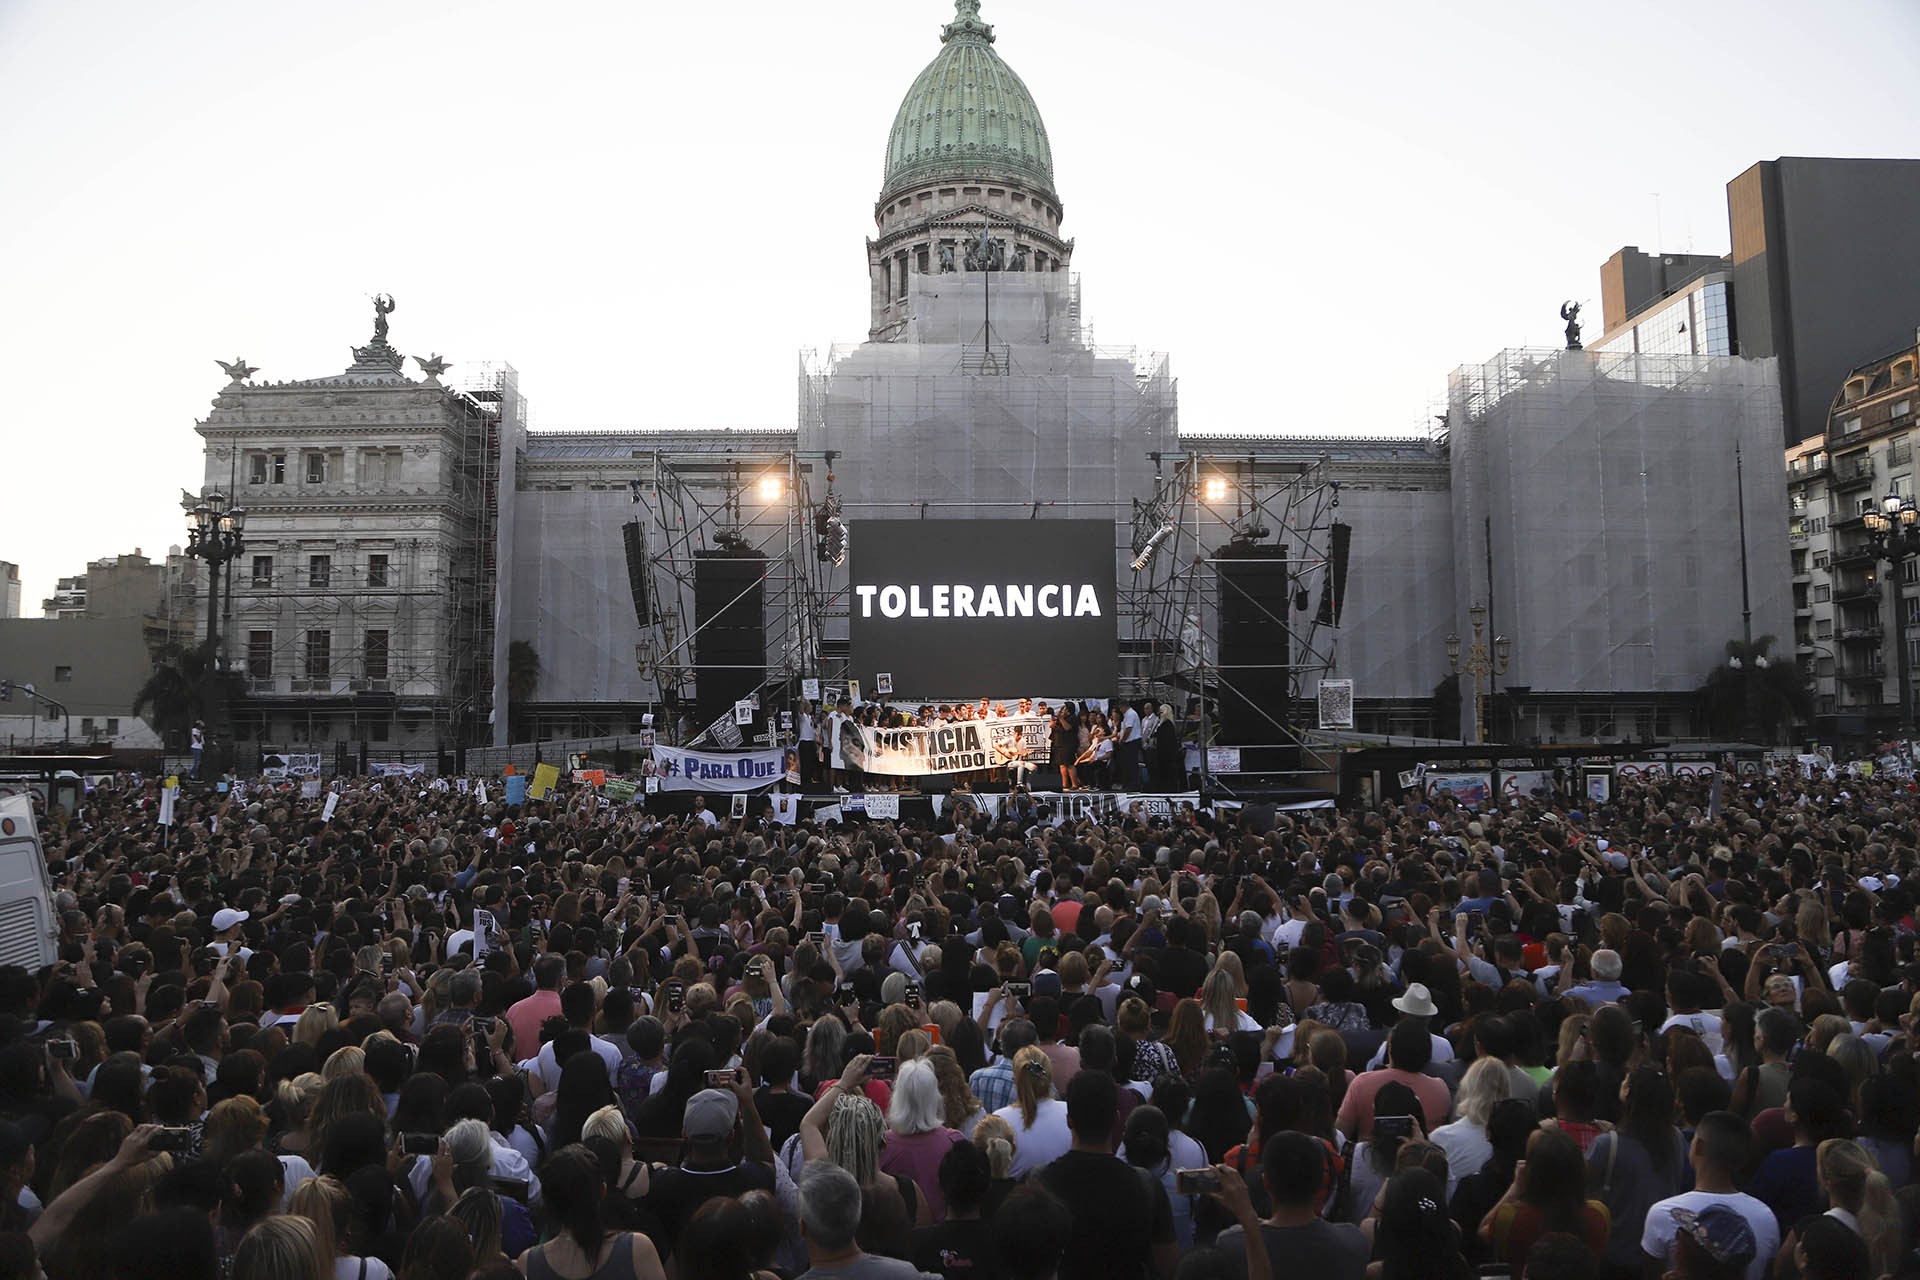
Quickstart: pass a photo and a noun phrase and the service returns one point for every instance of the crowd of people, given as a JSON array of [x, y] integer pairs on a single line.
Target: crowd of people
[[441, 1039]]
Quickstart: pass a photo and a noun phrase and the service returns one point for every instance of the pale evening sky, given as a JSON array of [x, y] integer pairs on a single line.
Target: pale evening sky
[[650, 208]]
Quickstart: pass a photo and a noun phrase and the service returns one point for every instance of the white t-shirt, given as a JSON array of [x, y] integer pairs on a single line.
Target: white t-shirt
[[1467, 1148], [1705, 1024], [1656, 1238], [1045, 1142], [1130, 726], [349, 1268]]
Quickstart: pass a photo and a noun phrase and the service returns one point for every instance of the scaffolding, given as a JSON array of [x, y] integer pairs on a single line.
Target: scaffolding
[[1209, 511]]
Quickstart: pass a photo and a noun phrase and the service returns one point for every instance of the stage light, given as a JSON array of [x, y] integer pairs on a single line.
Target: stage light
[[769, 488], [830, 532], [1214, 489]]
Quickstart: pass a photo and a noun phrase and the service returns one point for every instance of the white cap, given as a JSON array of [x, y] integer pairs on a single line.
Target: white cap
[[225, 918]]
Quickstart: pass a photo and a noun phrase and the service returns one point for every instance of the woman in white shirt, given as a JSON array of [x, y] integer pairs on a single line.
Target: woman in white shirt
[[1038, 1119], [325, 1202], [1220, 996], [1465, 1140]]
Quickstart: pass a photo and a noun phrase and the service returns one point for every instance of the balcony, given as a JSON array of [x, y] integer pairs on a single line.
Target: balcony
[[1858, 554], [1857, 593], [1861, 635], [1853, 473], [1873, 672], [1810, 468]]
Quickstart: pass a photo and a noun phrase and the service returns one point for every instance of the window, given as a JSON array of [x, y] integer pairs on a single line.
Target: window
[[113, 726], [380, 728], [63, 675], [319, 570], [1823, 629], [319, 655], [1910, 571], [1901, 408], [377, 570], [266, 468], [316, 468], [1821, 560], [260, 654], [379, 468], [1850, 426], [1822, 593], [86, 727], [263, 571], [375, 655]]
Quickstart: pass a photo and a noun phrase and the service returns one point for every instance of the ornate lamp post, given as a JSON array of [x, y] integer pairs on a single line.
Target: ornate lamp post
[[1893, 534], [1480, 663], [215, 534]]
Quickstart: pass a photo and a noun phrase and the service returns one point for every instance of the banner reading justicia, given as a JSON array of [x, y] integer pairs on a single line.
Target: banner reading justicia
[[957, 747]]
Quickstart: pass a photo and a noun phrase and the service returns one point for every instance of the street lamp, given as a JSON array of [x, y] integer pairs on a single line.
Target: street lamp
[[215, 533], [1480, 663], [1893, 534]]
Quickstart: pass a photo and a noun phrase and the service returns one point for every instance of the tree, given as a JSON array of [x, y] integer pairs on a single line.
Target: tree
[[523, 681], [1754, 689], [177, 689]]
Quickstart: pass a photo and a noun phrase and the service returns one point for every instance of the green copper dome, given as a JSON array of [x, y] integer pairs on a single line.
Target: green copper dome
[[968, 113]]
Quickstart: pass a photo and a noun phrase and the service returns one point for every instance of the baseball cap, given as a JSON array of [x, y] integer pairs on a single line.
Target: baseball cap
[[225, 918], [710, 1115], [1720, 1230]]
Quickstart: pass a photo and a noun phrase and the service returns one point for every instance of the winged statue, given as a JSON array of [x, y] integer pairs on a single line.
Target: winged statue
[[239, 370], [434, 365]]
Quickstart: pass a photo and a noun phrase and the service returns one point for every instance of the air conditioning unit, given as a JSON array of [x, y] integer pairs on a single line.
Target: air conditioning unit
[[380, 686]]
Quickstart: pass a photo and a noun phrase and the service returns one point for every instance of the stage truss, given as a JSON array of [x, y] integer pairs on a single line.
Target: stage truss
[[1265, 509], [694, 500]]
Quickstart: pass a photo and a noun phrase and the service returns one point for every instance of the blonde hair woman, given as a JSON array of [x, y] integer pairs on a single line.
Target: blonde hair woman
[[1465, 1141], [284, 1247], [348, 1060], [297, 1098], [1220, 997], [959, 1108], [1861, 1197], [315, 1022], [326, 1203], [1038, 1119], [995, 1137]]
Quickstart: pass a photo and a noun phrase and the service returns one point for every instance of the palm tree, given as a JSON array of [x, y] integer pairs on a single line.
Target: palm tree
[[523, 680], [176, 689], [1755, 689]]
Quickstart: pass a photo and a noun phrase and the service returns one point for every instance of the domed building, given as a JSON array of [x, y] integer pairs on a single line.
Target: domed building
[[969, 177]]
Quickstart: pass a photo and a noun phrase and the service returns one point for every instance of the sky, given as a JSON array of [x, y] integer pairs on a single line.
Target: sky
[[650, 209]]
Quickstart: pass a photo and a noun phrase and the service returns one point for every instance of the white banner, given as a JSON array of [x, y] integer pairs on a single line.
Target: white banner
[[395, 769], [962, 746], [682, 770], [280, 764], [333, 802]]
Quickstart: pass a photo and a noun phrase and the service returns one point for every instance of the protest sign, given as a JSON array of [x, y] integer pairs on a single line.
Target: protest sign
[[681, 769], [957, 747], [545, 778]]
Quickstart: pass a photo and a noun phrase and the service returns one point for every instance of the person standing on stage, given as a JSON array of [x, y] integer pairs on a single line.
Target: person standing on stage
[[1126, 748]]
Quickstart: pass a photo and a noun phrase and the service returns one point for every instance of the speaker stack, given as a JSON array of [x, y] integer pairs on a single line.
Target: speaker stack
[[730, 637]]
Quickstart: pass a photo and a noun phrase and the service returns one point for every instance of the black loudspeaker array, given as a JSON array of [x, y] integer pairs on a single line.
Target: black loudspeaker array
[[1254, 643], [730, 636], [1333, 587], [637, 572]]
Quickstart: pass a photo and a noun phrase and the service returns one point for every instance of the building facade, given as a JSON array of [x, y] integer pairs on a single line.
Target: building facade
[[1582, 496], [1851, 609], [362, 606]]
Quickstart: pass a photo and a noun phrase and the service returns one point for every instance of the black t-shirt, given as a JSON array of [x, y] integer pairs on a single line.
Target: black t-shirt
[[1182, 970], [956, 1250], [1119, 1214], [781, 1112], [675, 1193]]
